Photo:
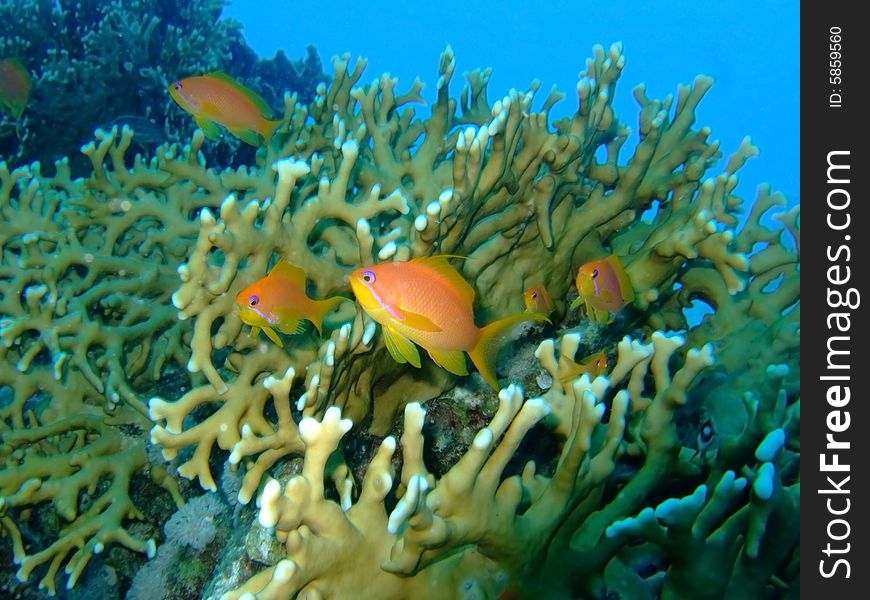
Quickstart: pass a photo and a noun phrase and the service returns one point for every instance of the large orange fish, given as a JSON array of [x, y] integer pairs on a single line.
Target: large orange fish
[[14, 87], [217, 98], [605, 288], [425, 301], [278, 301]]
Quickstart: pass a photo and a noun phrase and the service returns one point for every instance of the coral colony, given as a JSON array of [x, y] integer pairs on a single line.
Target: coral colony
[[131, 384]]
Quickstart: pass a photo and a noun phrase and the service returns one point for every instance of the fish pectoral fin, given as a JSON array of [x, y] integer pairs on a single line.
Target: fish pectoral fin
[[452, 360], [418, 321], [209, 128], [270, 333], [401, 348], [393, 349], [249, 136]]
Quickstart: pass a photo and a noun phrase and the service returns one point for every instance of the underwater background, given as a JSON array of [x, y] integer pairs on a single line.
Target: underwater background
[[751, 50], [226, 238]]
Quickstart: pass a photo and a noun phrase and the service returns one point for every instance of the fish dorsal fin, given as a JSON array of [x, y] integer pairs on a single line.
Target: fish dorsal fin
[[440, 266], [289, 272], [250, 94], [625, 288]]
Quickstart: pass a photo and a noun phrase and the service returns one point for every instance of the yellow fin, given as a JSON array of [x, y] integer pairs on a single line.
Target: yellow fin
[[209, 128], [289, 272], [399, 345], [290, 325], [573, 371], [321, 308], [267, 129], [492, 337], [270, 333], [452, 360], [601, 315], [249, 136], [440, 266], [392, 348], [418, 321]]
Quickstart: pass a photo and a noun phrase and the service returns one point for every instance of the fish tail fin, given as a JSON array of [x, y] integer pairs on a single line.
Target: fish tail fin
[[323, 308], [267, 129], [492, 337]]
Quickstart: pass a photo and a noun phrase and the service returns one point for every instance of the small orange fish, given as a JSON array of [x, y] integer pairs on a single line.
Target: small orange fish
[[217, 98], [594, 364], [14, 87], [537, 299], [279, 301], [605, 288], [425, 301]]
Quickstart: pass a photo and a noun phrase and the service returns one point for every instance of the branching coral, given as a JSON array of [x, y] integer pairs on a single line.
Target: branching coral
[[85, 270], [718, 544], [765, 317], [472, 532], [57, 462], [359, 179], [86, 327], [232, 425], [93, 321]]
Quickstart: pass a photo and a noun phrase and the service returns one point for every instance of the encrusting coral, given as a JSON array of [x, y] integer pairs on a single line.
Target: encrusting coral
[[101, 345]]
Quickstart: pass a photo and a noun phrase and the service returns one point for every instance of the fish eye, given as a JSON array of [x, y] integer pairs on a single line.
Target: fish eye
[[535, 294], [594, 273], [254, 301], [368, 277], [177, 85]]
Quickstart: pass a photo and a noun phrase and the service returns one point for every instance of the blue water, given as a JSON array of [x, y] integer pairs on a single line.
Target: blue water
[[750, 48]]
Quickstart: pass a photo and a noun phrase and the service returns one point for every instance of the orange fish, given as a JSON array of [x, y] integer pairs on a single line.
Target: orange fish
[[537, 299], [605, 288], [594, 364], [279, 301], [217, 98], [425, 301], [14, 87]]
